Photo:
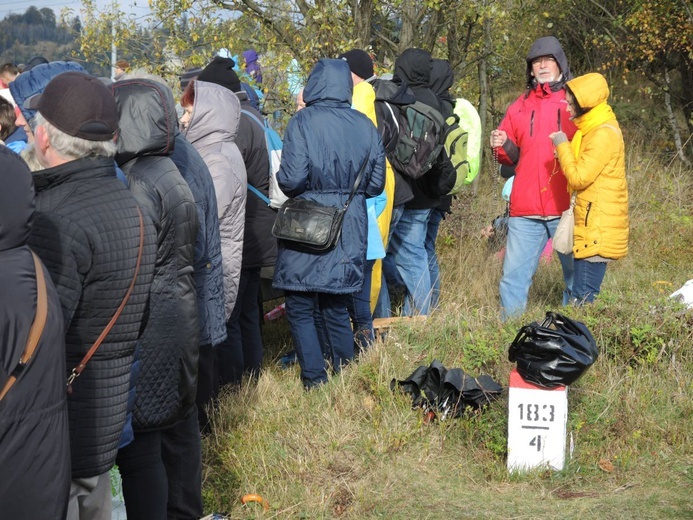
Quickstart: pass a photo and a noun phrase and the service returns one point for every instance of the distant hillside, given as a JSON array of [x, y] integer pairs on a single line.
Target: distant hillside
[[36, 33]]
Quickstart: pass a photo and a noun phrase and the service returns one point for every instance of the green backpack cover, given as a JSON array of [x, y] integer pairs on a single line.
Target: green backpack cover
[[463, 143]]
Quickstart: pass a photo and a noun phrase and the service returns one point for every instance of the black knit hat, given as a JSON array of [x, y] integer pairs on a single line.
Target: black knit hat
[[220, 71], [360, 63], [78, 104]]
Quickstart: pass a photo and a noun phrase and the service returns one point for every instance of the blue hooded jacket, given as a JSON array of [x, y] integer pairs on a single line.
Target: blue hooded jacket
[[324, 146], [34, 81]]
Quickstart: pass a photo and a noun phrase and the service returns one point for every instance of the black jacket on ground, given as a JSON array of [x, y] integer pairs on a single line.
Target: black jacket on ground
[[34, 433], [259, 246], [413, 68], [169, 351], [87, 232]]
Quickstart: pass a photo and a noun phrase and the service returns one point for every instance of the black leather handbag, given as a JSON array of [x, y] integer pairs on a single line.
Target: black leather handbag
[[555, 352], [311, 227]]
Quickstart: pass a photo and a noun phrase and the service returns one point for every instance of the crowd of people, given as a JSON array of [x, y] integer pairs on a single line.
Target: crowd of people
[[145, 297]]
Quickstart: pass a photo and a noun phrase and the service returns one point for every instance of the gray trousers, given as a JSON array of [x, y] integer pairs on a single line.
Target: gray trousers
[[90, 498]]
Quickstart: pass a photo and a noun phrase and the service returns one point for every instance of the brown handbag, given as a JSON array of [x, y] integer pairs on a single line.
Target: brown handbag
[[82, 364], [36, 327]]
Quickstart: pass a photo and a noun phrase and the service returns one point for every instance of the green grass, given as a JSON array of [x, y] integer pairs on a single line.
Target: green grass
[[354, 449]]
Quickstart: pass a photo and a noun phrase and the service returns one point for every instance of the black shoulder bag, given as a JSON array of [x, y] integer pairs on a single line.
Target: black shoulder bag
[[309, 226]]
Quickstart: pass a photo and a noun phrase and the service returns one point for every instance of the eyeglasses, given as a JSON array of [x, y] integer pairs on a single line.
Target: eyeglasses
[[542, 59]]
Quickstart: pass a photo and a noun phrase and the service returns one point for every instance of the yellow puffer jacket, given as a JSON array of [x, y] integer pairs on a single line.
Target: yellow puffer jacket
[[594, 166], [363, 100]]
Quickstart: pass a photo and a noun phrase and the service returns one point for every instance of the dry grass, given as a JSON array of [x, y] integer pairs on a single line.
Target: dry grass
[[354, 449]]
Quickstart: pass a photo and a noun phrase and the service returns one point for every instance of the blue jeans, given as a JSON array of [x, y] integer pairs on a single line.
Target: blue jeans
[[390, 276], [242, 351], [336, 341], [587, 281], [409, 251], [437, 215], [527, 238], [360, 311]]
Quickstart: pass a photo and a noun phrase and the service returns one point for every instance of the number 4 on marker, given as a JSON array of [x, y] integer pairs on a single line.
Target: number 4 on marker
[[536, 441]]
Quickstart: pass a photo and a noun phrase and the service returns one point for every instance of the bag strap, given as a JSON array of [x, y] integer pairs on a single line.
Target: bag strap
[[82, 364], [259, 194], [36, 327], [253, 117], [252, 188], [357, 181]]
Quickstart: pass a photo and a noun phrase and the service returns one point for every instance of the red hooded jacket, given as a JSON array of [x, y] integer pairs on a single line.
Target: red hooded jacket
[[540, 188]]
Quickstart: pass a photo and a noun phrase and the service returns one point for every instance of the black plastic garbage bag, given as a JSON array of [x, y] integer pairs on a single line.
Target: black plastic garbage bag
[[449, 392], [555, 352]]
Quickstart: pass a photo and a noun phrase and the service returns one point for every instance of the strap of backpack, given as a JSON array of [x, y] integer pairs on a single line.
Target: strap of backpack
[[432, 113], [82, 364], [357, 181], [36, 327], [254, 118], [259, 194], [252, 188]]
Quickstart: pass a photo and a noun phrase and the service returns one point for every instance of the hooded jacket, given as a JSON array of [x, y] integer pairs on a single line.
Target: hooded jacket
[[169, 350], [325, 144], [34, 433], [208, 269], [259, 246], [539, 188], [596, 171], [34, 81], [86, 230], [413, 68], [212, 130], [441, 83], [252, 67]]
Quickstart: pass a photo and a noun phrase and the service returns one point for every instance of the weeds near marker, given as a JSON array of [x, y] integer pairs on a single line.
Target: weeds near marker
[[354, 449]]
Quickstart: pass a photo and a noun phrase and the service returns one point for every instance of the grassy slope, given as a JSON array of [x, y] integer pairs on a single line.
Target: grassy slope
[[354, 449]]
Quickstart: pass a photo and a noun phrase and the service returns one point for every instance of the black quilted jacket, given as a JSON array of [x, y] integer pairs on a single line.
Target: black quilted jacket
[[86, 231], [167, 381], [33, 415]]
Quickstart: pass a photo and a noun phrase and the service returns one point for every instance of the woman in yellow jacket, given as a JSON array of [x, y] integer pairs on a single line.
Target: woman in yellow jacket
[[593, 163]]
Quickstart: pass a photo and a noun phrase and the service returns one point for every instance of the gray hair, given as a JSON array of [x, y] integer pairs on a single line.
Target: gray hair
[[71, 147], [29, 156]]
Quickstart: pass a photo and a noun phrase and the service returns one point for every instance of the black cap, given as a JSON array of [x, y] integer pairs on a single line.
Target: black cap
[[360, 63], [220, 71], [79, 105], [36, 60]]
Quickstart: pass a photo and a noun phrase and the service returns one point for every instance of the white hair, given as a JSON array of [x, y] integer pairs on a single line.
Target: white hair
[[71, 147]]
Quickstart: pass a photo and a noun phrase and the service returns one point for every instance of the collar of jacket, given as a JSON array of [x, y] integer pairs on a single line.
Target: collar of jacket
[[79, 169], [546, 89]]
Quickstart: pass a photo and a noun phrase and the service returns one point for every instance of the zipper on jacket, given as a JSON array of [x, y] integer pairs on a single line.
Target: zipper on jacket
[[559, 119], [531, 124], [587, 214]]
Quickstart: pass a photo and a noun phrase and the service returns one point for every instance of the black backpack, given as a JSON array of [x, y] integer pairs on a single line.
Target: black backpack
[[387, 113], [421, 139]]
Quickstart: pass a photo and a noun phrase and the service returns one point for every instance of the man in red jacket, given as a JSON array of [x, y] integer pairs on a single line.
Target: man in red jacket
[[540, 193]]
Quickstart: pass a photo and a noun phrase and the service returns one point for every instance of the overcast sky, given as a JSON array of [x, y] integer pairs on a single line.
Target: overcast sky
[[137, 7]]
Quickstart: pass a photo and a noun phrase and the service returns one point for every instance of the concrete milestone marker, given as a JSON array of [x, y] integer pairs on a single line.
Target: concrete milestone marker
[[537, 419]]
